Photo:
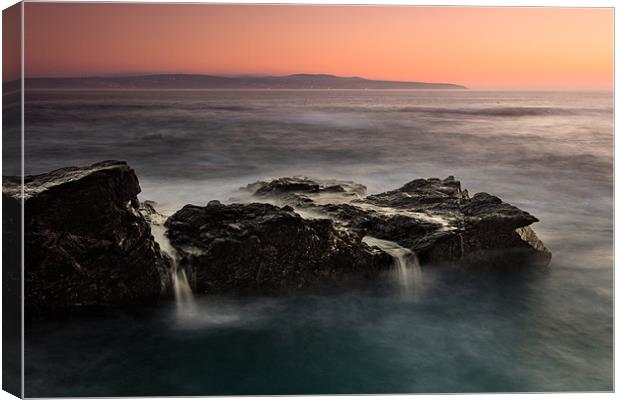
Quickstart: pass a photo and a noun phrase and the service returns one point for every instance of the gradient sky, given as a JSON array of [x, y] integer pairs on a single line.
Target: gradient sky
[[478, 47]]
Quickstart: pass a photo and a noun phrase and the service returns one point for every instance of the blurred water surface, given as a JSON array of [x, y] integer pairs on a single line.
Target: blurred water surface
[[550, 153]]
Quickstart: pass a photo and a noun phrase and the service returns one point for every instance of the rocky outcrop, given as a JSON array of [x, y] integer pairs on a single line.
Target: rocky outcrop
[[86, 242], [434, 218], [264, 248], [306, 233], [89, 242]]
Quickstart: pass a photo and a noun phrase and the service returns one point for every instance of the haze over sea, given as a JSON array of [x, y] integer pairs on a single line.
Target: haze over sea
[[549, 153]]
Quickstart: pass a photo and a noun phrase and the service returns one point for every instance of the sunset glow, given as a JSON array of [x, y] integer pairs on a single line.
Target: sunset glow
[[559, 48]]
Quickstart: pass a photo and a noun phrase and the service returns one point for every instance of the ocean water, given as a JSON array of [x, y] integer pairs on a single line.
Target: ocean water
[[549, 153]]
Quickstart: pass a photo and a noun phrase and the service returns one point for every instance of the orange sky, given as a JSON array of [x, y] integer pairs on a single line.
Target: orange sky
[[478, 47]]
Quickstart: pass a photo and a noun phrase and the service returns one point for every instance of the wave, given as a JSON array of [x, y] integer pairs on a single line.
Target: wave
[[71, 106], [506, 111]]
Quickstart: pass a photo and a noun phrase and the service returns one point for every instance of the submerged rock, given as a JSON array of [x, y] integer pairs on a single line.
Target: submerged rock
[[264, 248], [86, 242], [435, 219]]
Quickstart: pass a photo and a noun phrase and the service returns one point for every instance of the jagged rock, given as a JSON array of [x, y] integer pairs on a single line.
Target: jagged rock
[[86, 243], [265, 248], [437, 220]]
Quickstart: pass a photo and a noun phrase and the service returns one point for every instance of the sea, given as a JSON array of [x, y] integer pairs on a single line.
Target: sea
[[549, 153]]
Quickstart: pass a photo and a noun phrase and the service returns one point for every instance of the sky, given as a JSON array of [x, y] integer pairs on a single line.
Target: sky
[[11, 49], [479, 47]]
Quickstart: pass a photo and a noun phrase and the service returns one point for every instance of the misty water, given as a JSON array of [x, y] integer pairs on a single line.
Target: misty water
[[549, 153]]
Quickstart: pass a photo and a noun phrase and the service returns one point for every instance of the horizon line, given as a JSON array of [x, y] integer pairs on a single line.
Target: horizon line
[[225, 75], [260, 75]]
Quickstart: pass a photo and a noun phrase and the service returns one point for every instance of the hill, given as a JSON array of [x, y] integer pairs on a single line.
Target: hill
[[185, 81]]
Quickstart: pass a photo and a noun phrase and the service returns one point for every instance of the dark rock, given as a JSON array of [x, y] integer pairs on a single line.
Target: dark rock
[[334, 188], [89, 241], [438, 221], [305, 190], [286, 185], [264, 248], [86, 242]]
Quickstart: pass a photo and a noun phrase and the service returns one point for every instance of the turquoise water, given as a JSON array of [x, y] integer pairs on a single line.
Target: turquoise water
[[549, 153]]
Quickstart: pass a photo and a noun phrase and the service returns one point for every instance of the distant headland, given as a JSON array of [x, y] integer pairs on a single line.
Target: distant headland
[[187, 81]]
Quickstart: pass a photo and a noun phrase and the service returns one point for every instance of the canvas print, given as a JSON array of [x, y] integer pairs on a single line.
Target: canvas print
[[228, 199]]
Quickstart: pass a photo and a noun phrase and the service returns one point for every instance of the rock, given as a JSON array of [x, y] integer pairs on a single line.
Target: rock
[[148, 210], [89, 241], [263, 248], [286, 185], [86, 242], [301, 189], [435, 219]]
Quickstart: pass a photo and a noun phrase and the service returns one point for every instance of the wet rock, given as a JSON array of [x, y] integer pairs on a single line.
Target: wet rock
[[89, 241], [286, 185], [298, 189], [264, 248], [148, 209], [438, 221], [86, 242]]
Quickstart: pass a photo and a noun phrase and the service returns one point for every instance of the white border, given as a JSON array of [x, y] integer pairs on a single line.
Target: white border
[[483, 3]]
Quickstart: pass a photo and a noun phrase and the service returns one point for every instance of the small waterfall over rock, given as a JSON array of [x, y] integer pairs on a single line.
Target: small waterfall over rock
[[182, 290], [409, 273], [183, 296]]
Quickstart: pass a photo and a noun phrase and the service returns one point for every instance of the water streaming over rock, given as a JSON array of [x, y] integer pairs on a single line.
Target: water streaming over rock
[[409, 273], [183, 296]]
